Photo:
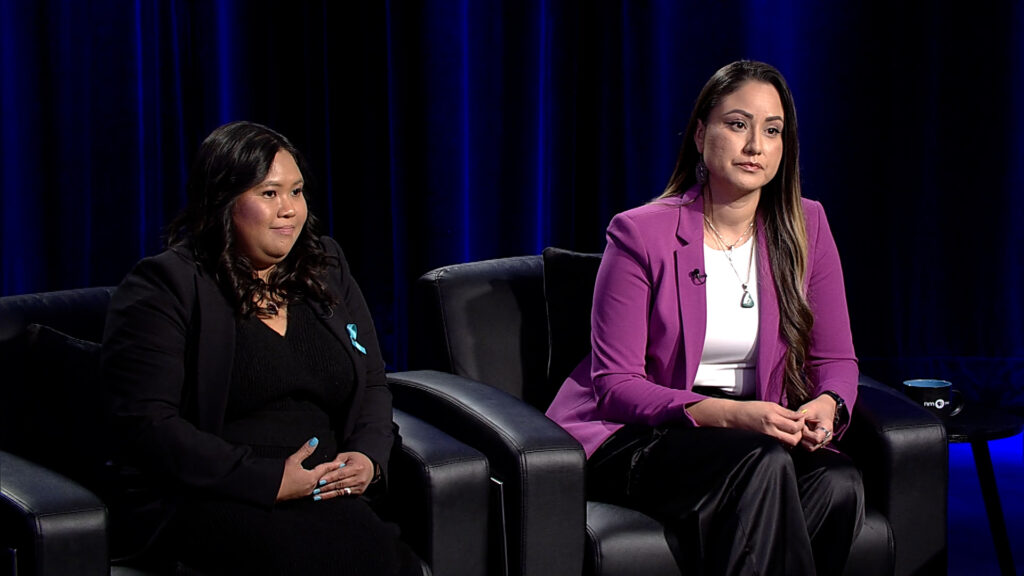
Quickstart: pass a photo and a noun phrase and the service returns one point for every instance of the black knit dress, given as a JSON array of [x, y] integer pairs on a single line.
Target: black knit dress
[[284, 391]]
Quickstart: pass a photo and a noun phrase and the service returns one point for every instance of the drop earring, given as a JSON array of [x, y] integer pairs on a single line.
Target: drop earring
[[701, 171]]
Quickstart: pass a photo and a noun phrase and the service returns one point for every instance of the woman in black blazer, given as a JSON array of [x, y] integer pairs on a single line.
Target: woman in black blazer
[[247, 385]]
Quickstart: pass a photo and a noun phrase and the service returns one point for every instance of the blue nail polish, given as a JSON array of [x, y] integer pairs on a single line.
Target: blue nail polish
[[322, 482], [316, 498], [315, 492], [314, 441], [340, 466]]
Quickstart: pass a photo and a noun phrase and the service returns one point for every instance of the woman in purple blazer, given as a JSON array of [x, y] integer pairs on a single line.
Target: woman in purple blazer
[[723, 366]]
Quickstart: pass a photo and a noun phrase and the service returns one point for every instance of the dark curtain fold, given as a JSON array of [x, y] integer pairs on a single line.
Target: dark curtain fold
[[443, 131]]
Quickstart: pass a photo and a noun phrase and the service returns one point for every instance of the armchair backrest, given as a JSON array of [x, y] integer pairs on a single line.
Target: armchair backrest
[[485, 321], [520, 324], [53, 402], [80, 313]]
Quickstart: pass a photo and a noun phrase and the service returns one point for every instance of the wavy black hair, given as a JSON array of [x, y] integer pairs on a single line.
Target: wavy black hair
[[780, 208], [234, 158]]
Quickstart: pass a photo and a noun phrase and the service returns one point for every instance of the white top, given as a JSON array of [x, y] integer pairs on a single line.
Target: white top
[[729, 359]]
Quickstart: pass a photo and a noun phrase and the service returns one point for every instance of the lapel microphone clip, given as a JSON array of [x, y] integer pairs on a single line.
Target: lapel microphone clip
[[697, 277]]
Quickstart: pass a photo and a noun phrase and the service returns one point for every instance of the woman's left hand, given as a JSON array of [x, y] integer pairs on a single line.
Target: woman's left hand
[[352, 476], [819, 416]]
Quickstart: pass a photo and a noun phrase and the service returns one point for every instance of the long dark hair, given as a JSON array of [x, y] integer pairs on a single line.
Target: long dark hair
[[780, 209], [234, 158]]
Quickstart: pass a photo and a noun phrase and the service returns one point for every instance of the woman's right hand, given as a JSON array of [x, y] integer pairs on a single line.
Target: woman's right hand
[[297, 482], [767, 418]]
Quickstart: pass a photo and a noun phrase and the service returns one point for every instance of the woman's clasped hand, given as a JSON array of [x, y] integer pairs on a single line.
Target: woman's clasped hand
[[819, 415], [348, 474], [807, 427]]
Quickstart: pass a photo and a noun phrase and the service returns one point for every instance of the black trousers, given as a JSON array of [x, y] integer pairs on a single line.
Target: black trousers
[[735, 502], [340, 536]]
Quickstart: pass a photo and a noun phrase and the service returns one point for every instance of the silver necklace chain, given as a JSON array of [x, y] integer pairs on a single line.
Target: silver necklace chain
[[747, 301], [726, 246]]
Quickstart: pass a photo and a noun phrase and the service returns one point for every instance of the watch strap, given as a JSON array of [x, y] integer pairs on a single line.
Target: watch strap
[[842, 414]]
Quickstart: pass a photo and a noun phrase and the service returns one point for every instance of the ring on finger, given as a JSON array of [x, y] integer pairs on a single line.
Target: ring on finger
[[348, 491]]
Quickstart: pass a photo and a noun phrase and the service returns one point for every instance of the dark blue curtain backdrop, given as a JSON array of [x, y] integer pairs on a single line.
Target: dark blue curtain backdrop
[[443, 131]]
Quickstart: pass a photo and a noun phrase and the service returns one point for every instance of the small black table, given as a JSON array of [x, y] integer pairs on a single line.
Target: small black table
[[976, 425]]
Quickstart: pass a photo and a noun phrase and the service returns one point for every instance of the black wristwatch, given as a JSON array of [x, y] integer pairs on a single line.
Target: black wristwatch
[[842, 414]]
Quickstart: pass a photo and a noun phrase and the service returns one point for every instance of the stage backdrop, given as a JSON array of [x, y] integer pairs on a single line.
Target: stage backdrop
[[443, 131]]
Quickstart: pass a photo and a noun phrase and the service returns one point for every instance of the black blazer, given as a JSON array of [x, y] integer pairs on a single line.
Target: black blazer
[[167, 353]]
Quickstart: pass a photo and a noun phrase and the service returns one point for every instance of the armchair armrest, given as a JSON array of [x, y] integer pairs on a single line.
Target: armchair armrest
[[902, 453], [539, 466], [439, 491], [53, 525]]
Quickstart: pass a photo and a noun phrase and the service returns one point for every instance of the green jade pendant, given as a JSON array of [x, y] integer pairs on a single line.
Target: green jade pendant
[[748, 300]]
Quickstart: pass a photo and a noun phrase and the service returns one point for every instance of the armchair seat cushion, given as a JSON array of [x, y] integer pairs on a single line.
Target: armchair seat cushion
[[624, 542], [874, 537]]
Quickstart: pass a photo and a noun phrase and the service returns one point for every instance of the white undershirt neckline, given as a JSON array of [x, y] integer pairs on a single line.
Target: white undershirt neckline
[[729, 359]]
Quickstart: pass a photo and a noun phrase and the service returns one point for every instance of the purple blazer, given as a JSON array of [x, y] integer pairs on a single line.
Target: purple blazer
[[649, 319]]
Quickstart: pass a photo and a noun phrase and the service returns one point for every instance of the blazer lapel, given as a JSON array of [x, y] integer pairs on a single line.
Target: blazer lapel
[[690, 282], [215, 322], [336, 319]]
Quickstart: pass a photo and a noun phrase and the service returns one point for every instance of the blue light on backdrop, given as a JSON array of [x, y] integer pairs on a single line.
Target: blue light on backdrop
[[449, 131]]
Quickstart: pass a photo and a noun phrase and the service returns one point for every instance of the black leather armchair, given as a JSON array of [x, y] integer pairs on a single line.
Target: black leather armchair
[[53, 488], [498, 337]]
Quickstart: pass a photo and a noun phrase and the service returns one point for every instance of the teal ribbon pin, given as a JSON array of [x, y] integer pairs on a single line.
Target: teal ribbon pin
[[352, 336]]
